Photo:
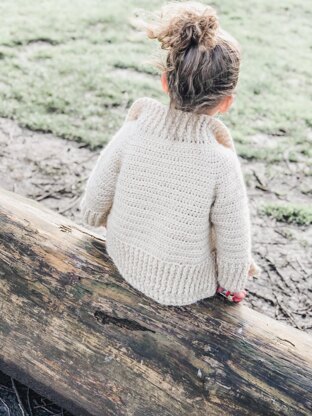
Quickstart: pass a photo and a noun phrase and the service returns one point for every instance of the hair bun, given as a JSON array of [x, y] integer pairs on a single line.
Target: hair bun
[[199, 29], [180, 25]]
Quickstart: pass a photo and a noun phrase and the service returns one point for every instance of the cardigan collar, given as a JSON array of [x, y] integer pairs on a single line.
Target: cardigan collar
[[174, 124]]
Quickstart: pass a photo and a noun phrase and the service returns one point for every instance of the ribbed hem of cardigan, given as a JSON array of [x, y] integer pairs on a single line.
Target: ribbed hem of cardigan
[[91, 217], [166, 283], [232, 276]]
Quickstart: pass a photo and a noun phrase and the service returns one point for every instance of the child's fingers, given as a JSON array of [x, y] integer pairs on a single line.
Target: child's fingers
[[254, 270]]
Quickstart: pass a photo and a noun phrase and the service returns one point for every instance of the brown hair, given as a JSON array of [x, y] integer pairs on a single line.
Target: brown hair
[[202, 60]]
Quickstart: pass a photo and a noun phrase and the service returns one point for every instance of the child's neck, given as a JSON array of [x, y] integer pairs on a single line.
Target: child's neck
[[212, 112]]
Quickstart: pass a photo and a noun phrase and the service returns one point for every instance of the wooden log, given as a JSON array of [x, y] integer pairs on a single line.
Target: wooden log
[[75, 331]]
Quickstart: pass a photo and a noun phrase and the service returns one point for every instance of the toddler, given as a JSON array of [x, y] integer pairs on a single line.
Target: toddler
[[168, 187]]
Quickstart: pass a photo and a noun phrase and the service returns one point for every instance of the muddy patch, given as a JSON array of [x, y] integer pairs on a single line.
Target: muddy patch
[[44, 167]]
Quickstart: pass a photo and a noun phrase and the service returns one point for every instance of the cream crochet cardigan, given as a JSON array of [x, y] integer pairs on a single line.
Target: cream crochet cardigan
[[170, 191]]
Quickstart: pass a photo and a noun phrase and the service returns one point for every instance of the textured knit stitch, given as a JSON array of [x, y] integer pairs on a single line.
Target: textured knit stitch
[[170, 191]]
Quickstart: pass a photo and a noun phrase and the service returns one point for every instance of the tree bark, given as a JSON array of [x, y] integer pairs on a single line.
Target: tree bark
[[74, 330]]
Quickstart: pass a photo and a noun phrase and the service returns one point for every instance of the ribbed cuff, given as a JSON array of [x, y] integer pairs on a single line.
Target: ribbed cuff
[[233, 276], [90, 217]]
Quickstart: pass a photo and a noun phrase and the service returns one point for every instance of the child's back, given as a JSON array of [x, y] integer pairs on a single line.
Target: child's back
[[170, 191]]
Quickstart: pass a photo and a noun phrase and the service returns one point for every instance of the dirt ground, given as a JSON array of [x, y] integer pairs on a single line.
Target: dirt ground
[[54, 171]]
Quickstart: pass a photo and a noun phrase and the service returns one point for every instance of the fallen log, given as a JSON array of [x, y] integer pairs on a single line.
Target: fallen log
[[75, 331]]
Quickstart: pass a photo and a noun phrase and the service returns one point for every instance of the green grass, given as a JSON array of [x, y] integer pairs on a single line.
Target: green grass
[[289, 213], [73, 67]]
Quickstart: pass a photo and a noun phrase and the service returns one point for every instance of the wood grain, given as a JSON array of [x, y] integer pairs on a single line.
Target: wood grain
[[74, 330]]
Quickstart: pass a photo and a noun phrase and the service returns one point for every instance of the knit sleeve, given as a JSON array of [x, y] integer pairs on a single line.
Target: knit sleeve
[[100, 188], [231, 220], [98, 197]]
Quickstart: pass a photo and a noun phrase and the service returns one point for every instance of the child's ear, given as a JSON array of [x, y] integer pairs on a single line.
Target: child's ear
[[164, 82], [226, 103]]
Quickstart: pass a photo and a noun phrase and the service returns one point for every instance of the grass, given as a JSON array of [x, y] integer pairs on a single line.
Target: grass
[[72, 68], [289, 213]]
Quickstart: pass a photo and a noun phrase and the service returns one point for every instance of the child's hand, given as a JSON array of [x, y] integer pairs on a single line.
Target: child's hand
[[254, 270], [232, 296]]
